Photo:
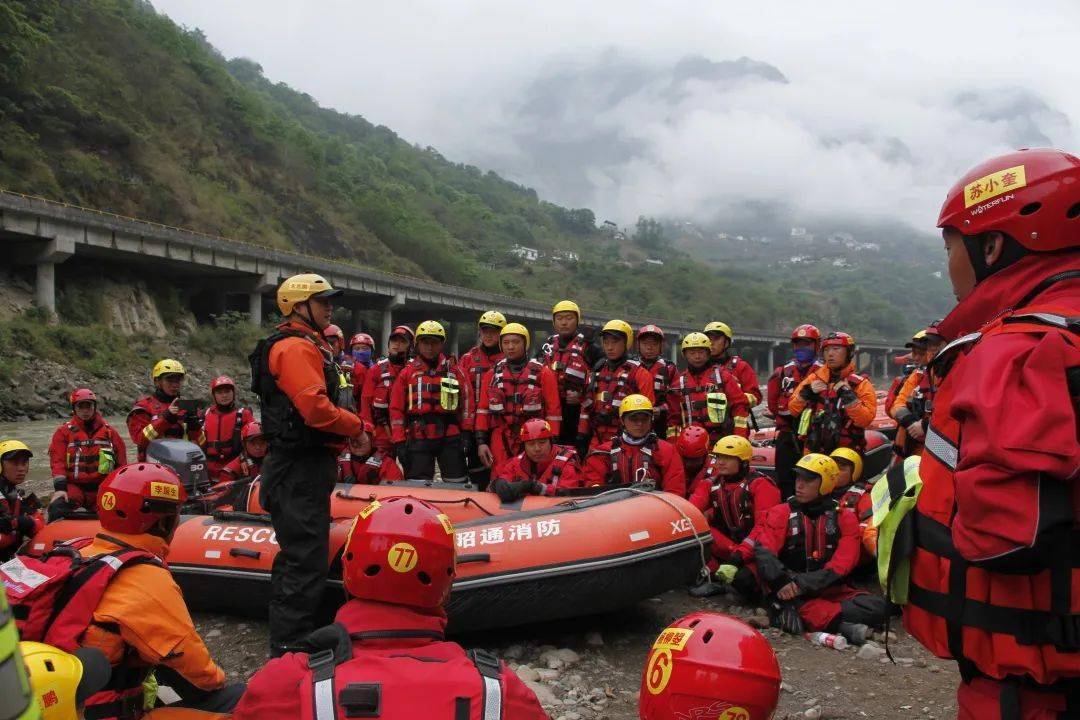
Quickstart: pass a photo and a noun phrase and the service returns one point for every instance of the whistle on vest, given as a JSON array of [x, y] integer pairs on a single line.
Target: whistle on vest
[[449, 393], [716, 404], [106, 461]]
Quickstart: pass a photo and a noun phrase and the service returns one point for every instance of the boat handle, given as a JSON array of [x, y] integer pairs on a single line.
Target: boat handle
[[236, 552], [473, 557]]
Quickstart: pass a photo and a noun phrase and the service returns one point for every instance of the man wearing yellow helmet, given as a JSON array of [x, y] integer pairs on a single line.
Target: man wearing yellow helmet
[[300, 388], [163, 414], [917, 355], [427, 409], [62, 682], [514, 391], [803, 550], [571, 357], [474, 364], [20, 514], [635, 454], [721, 337], [915, 399], [852, 492], [612, 379], [705, 394]]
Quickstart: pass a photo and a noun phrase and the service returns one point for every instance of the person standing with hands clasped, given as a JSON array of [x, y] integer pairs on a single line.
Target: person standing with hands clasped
[[294, 373]]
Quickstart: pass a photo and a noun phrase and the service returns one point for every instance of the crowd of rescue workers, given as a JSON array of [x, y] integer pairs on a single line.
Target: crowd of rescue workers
[[512, 418]]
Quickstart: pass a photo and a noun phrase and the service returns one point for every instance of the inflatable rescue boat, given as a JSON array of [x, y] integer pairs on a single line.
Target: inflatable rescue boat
[[876, 459]]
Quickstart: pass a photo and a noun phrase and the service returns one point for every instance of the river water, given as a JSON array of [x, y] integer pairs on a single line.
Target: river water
[[37, 434]]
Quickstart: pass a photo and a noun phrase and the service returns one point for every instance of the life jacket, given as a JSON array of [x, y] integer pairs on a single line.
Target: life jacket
[[283, 425], [1020, 615], [732, 504], [249, 467], [645, 468], [475, 364], [89, 457], [703, 401], [364, 471], [514, 398], [790, 376], [564, 455], [385, 682], [852, 495], [570, 365], [433, 390], [825, 426], [385, 374], [155, 407], [607, 388], [222, 430], [810, 541]]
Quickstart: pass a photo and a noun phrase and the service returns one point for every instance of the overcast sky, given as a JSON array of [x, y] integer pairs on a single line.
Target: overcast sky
[[640, 108]]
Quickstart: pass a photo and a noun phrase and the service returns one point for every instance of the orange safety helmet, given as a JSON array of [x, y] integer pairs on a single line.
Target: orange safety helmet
[[222, 381], [708, 665], [137, 497], [536, 429], [82, 395], [400, 550], [806, 332], [1033, 196], [693, 442]]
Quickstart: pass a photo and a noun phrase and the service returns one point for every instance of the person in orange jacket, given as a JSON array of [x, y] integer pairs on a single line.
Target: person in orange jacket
[[513, 391], [541, 468], [83, 451], [706, 394], [141, 621], [611, 379], [428, 410], [721, 337], [361, 464], [853, 493], [915, 400], [636, 454], [917, 347], [475, 364], [222, 425], [839, 403], [163, 414], [379, 380], [20, 513], [300, 389]]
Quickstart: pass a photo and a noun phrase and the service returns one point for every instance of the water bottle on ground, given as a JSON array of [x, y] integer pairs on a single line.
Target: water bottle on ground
[[836, 642]]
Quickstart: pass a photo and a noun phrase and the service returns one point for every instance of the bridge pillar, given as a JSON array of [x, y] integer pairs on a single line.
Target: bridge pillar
[[394, 302], [772, 355], [885, 363], [673, 346], [255, 297], [56, 251], [455, 338]]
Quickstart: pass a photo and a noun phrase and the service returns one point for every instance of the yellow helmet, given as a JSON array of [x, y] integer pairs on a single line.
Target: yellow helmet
[[818, 465], [566, 306], [695, 340], [61, 681], [303, 287], [168, 366], [430, 328], [735, 446], [13, 446], [853, 457], [493, 318], [635, 403], [621, 327], [517, 329], [722, 328], [918, 338]]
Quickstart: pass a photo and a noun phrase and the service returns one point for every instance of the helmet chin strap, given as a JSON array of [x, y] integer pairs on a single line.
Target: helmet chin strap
[[309, 319]]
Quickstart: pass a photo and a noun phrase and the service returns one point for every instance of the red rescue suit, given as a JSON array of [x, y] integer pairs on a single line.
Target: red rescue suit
[[663, 374], [376, 468], [149, 420], [781, 385], [609, 384], [688, 402], [20, 518], [622, 461], [358, 377], [732, 505], [819, 545], [561, 471], [241, 467], [744, 374], [76, 461], [569, 361], [508, 398], [475, 364], [221, 435], [856, 498], [375, 400], [400, 668], [416, 412], [995, 581]]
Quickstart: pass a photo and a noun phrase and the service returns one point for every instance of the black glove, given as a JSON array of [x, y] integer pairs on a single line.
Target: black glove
[[468, 444], [770, 568], [58, 509], [507, 491], [581, 444], [25, 525], [847, 396], [401, 452], [6, 526], [812, 583], [786, 617], [808, 394]]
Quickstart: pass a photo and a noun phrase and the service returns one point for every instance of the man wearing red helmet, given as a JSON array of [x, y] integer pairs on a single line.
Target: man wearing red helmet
[[805, 340], [692, 444], [378, 381], [361, 463], [248, 464], [834, 404], [650, 346], [542, 468], [386, 655], [361, 349], [83, 451], [336, 338], [223, 424], [996, 565], [709, 666]]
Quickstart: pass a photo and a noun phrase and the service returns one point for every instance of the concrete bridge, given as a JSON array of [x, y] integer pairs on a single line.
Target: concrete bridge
[[42, 233]]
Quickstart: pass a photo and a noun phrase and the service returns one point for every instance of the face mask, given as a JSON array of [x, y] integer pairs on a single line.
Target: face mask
[[362, 356], [804, 355]]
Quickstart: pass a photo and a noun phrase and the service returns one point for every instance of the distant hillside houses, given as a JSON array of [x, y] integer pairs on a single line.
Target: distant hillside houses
[[529, 254]]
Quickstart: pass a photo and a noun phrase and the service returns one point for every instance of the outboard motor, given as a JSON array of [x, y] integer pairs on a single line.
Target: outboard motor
[[186, 459]]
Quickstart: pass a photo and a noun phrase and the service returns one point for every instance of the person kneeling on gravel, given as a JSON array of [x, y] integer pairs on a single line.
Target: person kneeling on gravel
[[386, 656], [801, 553]]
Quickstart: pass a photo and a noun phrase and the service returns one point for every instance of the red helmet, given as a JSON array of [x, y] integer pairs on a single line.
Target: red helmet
[[82, 395], [400, 550], [839, 339], [536, 429], [1033, 196], [333, 331], [361, 338], [806, 332], [403, 330], [708, 665], [693, 442], [135, 498], [252, 430], [651, 330], [222, 381]]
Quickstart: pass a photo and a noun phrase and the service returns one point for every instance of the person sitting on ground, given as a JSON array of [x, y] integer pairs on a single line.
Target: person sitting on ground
[[363, 464], [385, 655], [636, 455], [223, 424], [20, 513], [163, 414], [541, 468], [692, 444], [83, 451]]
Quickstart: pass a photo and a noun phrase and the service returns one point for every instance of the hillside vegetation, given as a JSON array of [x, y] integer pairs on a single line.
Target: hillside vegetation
[[107, 103]]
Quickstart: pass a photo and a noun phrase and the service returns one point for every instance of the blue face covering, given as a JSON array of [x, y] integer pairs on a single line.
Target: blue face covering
[[804, 355], [363, 357]]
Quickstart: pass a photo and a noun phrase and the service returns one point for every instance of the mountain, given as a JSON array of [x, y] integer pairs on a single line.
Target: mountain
[[108, 104]]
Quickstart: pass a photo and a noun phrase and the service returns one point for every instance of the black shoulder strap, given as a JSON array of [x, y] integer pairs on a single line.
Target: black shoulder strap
[[490, 670], [1045, 284]]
